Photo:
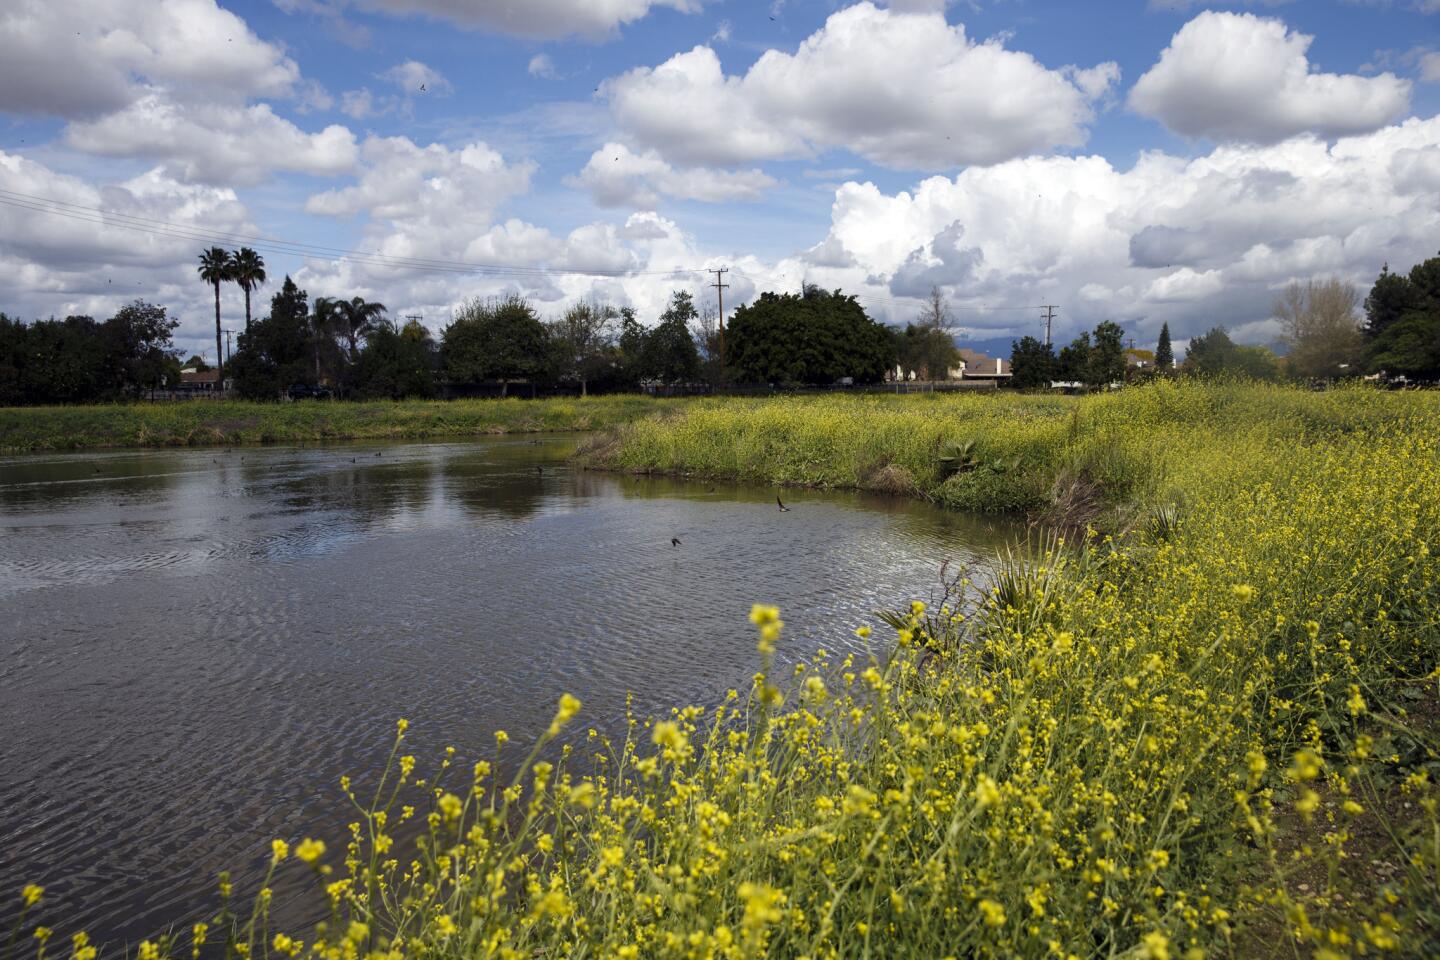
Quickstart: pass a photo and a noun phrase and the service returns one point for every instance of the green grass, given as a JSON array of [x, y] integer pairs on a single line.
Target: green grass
[[203, 422], [1079, 457]]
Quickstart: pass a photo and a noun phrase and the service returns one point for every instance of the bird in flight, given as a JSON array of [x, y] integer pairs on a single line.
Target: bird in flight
[[674, 541], [778, 503], [422, 88]]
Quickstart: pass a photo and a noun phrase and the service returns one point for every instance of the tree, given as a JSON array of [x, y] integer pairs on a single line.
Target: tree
[[631, 347], [1402, 330], [669, 354], [1107, 355], [1164, 353], [214, 269], [197, 363], [819, 337], [929, 350], [935, 315], [1392, 297], [323, 320], [396, 363], [1320, 327], [275, 353], [1073, 363], [581, 339], [705, 331], [1211, 354], [247, 268], [356, 318], [1032, 364], [494, 340], [138, 341]]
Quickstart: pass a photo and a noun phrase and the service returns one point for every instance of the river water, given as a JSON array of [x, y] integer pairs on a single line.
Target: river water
[[195, 644]]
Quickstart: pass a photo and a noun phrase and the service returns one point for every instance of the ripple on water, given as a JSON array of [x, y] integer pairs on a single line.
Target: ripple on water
[[197, 645]]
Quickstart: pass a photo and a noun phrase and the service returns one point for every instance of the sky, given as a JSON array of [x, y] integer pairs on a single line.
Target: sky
[[1144, 161]]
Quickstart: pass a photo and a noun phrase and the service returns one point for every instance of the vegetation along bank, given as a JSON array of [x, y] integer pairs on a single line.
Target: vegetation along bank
[[1209, 733], [237, 421]]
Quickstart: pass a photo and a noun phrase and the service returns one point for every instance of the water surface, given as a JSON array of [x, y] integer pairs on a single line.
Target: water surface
[[195, 644]]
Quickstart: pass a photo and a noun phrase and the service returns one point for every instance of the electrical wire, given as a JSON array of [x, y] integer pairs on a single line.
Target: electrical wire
[[178, 231]]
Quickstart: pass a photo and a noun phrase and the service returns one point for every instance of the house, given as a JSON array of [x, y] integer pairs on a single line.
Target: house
[[977, 366], [199, 383]]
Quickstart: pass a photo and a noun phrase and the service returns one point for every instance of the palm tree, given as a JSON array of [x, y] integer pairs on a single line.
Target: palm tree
[[248, 269], [215, 269], [356, 318], [323, 319]]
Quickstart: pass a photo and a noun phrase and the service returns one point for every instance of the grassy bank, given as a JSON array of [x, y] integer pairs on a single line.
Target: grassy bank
[[203, 422], [1083, 457], [1205, 735]]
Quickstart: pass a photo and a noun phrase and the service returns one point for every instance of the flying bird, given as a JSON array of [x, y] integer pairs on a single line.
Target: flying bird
[[783, 508], [422, 88], [674, 541]]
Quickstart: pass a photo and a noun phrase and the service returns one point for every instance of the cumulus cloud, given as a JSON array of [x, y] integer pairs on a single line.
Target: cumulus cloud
[[214, 143], [1229, 76], [616, 176], [431, 187], [542, 66], [906, 90], [54, 265], [83, 58], [1191, 241], [594, 19]]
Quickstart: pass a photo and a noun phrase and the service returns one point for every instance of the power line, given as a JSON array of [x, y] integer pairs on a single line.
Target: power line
[[189, 232]]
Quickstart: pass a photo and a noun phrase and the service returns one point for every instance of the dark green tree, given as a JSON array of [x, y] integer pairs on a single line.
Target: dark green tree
[[356, 318], [1032, 364], [1164, 352], [1107, 355], [247, 269], [1402, 328], [396, 363], [276, 352], [215, 269], [138, 340], [500, 340], [669, 354], [1210, 354], [819, 337], [1073, 363]]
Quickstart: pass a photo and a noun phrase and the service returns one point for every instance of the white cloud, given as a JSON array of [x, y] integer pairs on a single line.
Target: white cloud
[[415, 78], [59, 265], [906, 90], [616, 176], [535, 18], [542, 66], [1196, 242], [82, 58], [429, 187], [1231, 76], [214, 142]]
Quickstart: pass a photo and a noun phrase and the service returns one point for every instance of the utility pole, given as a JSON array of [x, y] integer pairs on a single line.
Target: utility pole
[[720, 286], [228, 354], [1050, 309]]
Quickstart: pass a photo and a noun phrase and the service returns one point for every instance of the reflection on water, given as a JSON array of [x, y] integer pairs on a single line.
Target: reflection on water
[[197, 643]]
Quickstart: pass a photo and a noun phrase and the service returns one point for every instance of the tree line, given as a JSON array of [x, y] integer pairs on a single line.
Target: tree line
[[1327, 332]]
